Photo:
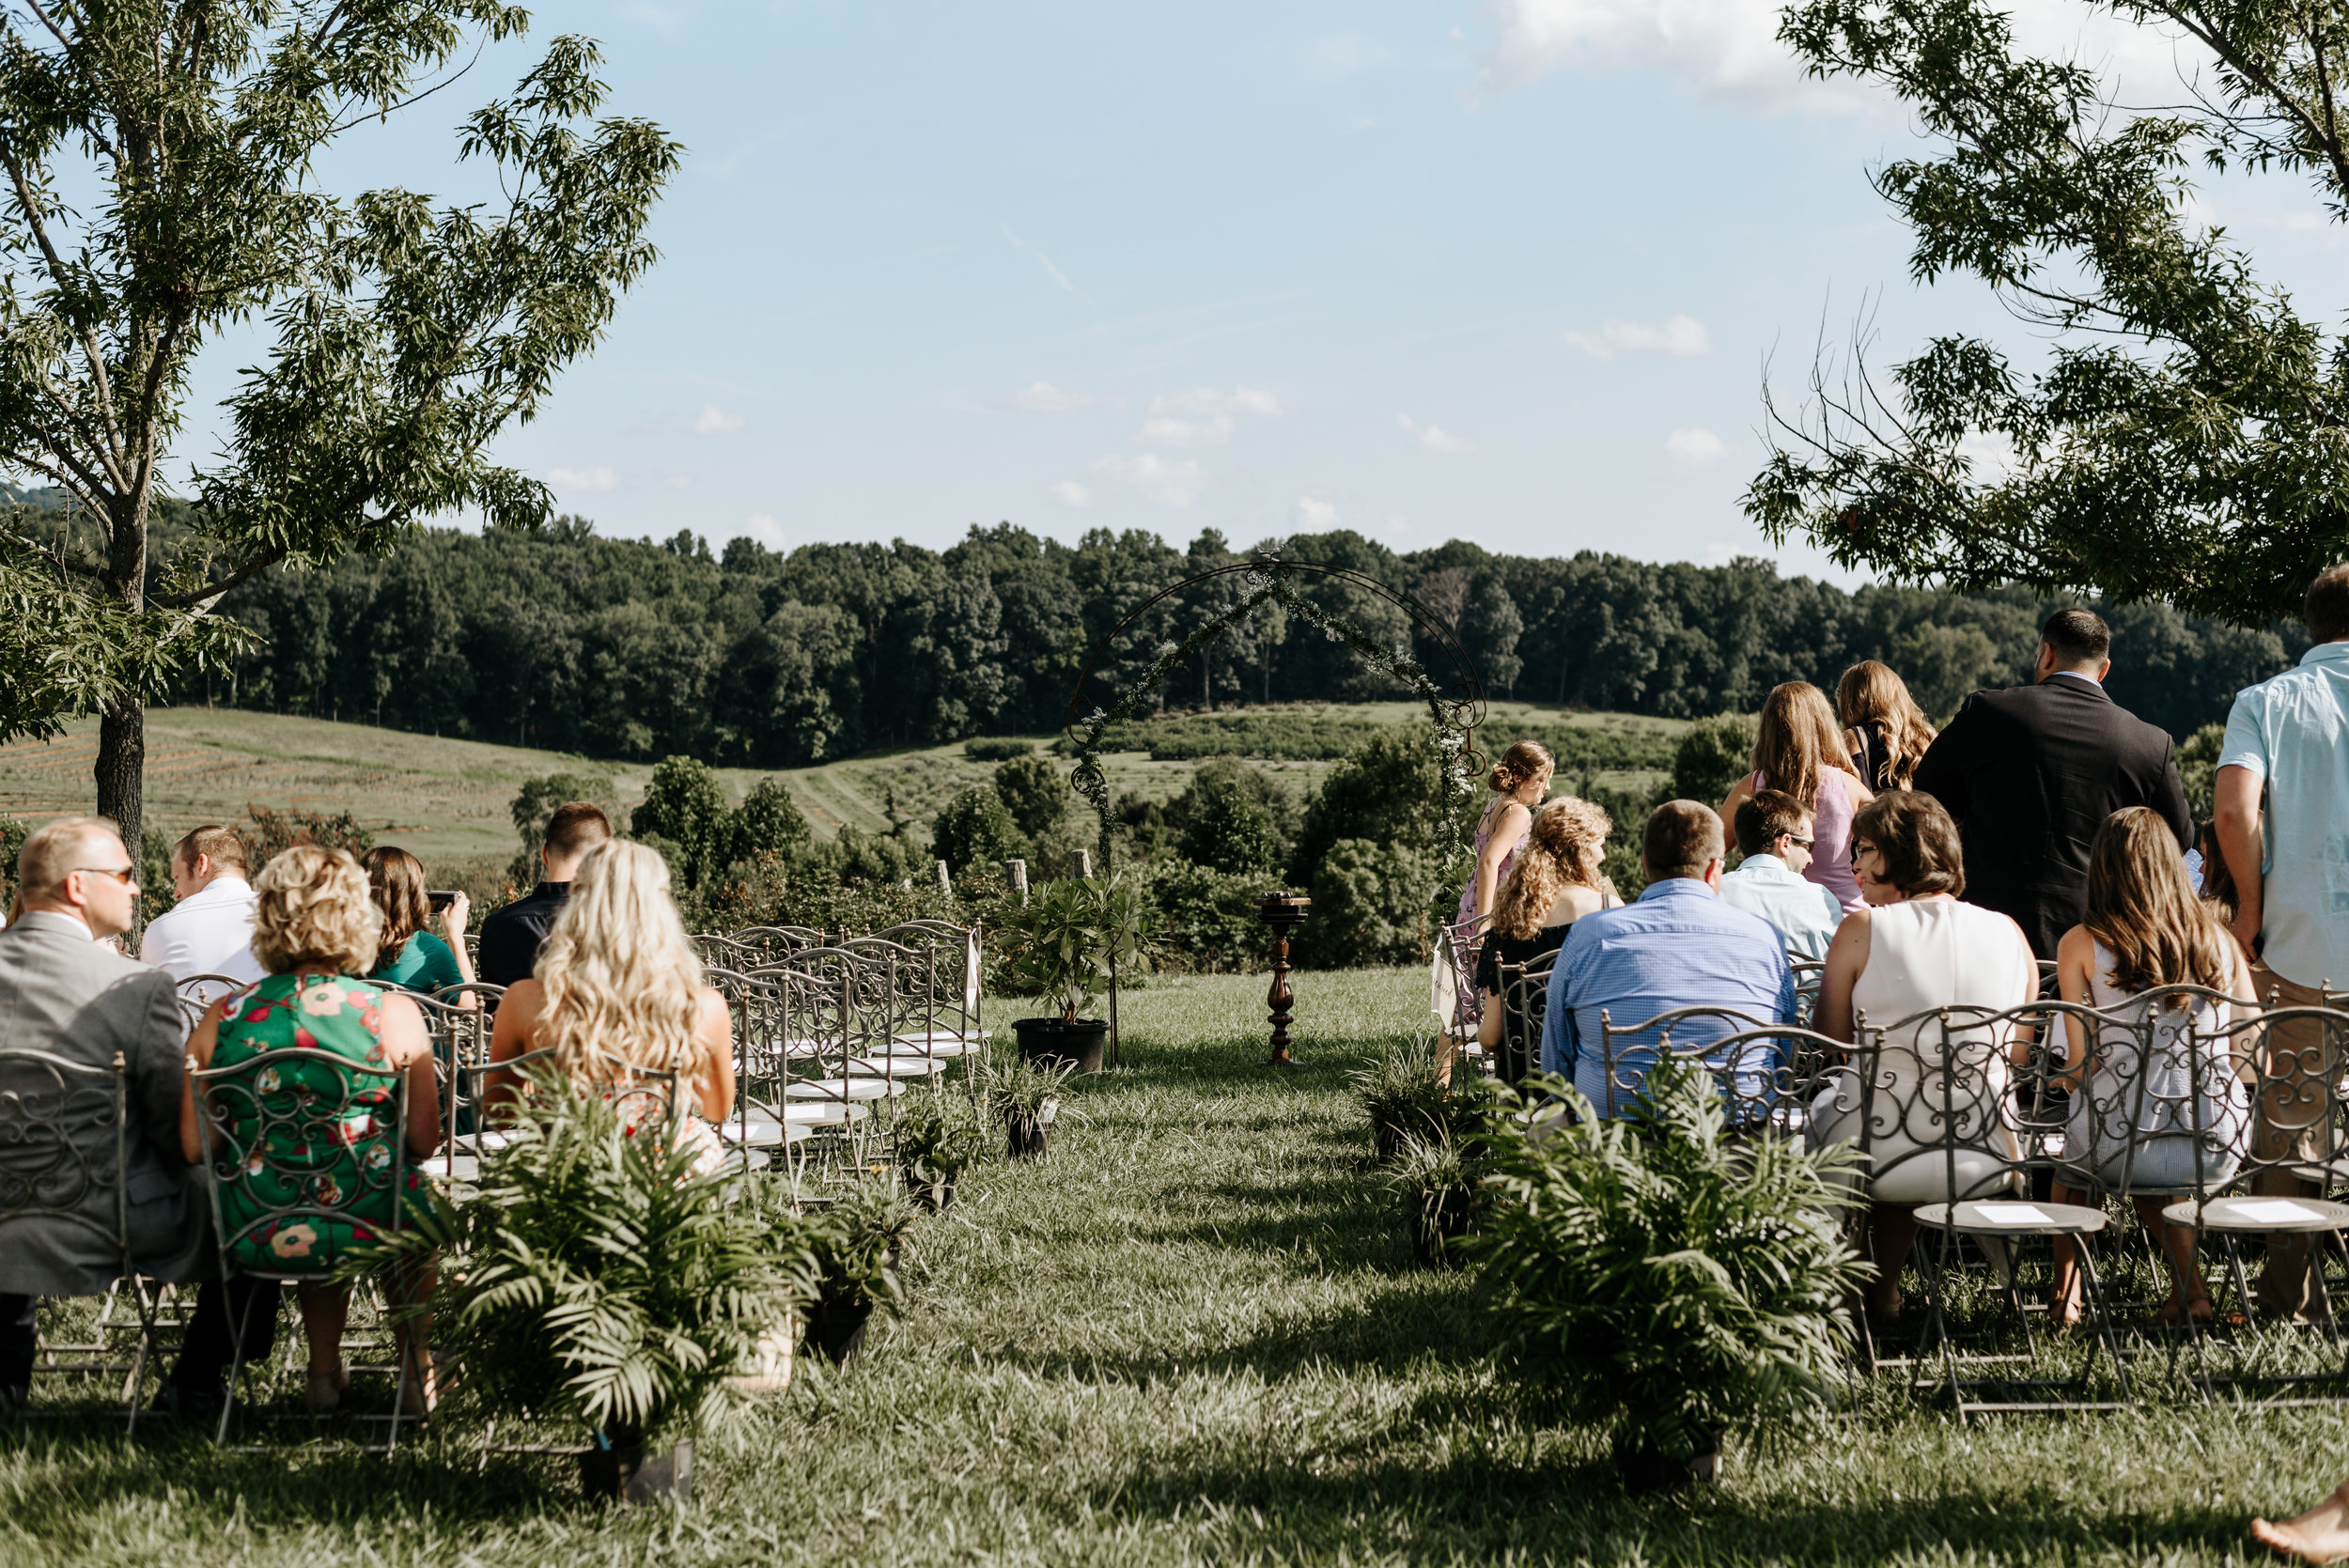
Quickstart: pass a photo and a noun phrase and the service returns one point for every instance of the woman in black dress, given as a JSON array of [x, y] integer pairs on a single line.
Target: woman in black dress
[[1885, 733], [1556, 881]]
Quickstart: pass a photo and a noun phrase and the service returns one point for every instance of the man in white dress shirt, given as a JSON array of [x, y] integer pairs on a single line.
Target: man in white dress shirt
[[1774, 831], [210, 931]]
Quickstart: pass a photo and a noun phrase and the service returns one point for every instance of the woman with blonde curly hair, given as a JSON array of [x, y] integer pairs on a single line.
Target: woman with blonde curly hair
[[305, 1203], [1557, 882], [1885, 731], [618, 986]]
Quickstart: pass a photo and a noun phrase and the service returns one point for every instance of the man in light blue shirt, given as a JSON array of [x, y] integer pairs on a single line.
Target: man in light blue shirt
[[2290, 868], [1677, 946], [1774, 831]]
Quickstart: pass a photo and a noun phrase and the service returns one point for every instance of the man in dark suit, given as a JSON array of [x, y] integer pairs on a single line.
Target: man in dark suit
[[2031, 773], [511, 938]]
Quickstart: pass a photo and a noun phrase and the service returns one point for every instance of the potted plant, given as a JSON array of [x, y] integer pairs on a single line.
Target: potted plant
[[1673, 1285], [1067, 943], [1434, 1179], [857, 1243], [593, 1281], [1400, 1094], [937, 1139], [1027, 1097]]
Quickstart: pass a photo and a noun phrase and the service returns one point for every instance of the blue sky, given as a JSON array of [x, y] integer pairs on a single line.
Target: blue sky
[[1501, 269]]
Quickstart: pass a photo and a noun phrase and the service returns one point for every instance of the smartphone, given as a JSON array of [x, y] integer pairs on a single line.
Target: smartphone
[[441, 900]]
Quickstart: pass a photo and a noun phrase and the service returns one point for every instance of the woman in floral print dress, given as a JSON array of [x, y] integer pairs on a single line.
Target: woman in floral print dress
[[318, 1150]]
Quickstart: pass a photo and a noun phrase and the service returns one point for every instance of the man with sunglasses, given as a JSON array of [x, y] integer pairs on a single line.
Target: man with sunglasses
[[65, 991], [1774, 835]]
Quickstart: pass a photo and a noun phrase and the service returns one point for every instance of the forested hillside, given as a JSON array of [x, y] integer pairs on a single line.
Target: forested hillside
[[630, 649]]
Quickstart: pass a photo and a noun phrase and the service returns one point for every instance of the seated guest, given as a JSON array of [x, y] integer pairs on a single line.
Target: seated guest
[[411, 958], [65, 992], [1774, 831], [510, 938], [1914, 949], [1677, 945], [1556, 881], [1797, 749], [2165, 1112], [619, 987], [315, 930], [209, 930]]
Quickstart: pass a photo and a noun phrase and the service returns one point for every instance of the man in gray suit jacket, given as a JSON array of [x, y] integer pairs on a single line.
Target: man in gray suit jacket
[[64, 990]]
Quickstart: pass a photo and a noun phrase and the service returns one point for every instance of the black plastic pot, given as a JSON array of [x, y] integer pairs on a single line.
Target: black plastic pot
[[1644, 1470], [837, 1329], [1049, 1041], [1386, 1142], [935, 1194], [1027, 1136], [632, 1475], [1433, 1236]]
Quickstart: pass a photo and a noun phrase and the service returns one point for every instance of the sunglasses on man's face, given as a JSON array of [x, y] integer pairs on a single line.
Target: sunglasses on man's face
[[1799, 843], [127, 876]]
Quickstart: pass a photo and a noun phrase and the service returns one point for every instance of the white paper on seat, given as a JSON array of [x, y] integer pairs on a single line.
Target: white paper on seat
[[2274, 1210], [2014, 1213]]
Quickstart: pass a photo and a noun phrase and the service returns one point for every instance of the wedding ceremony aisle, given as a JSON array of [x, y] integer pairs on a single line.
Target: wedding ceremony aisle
[[1194, 1332]]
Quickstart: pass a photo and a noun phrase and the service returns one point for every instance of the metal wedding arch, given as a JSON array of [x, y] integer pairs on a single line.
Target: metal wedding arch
[[1455, 710]]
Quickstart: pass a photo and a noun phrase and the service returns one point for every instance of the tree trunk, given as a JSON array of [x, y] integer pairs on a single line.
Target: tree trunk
[[122, 770]]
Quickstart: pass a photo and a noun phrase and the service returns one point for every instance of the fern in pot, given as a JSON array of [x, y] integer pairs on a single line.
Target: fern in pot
[[858, 1244], [1674, 1286], [936, 1138], [595, 1283]]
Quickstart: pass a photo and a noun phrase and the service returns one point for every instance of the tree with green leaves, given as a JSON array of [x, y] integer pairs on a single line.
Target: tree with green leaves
[[768, 822], [973, 831], [2185, 440], [162, 186], [685, 809], [1035, 791]]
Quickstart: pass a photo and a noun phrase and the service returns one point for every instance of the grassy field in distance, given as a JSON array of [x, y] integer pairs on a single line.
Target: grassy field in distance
[[446, 799]]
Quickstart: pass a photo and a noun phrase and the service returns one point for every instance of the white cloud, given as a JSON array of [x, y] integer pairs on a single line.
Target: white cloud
[[1206, 400], [1398, 523], [1680, 334], [1315, 513], [598, 480], [765, 529], [715, 421], [1435, 436], [1044, 397], [678, 481], [1185, 432], [1690, 450], [1728, 49], [1069, 492], [1163, 480]]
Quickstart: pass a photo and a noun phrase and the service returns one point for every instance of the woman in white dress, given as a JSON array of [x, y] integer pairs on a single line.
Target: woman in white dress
[[2157, 1123], [1912, 950]]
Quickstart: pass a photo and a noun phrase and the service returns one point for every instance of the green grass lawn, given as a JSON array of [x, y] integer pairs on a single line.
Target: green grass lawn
[[1194, 1334]]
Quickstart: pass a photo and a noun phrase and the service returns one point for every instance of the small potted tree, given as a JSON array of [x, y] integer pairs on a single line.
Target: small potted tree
[[1673, 1285], [552, 1318], [1068, 944], [937, 1138], [857, 1244]]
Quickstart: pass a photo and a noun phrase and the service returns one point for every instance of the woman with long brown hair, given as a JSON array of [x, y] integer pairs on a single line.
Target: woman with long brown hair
[[1885, 731], [1557, 882], [2159, 1116], [412, 957], [1519, 781], [1797, 750]]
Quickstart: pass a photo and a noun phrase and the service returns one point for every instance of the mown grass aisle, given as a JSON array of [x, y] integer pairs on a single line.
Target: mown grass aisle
[[1193, 1334]]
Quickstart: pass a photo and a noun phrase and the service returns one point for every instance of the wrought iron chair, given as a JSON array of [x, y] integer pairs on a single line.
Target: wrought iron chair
[[259, 1121], [766, 1116], [1733, 1044], [199, 991], [952, 966], [1810, 973], [65, 1138], [1524, 1005]]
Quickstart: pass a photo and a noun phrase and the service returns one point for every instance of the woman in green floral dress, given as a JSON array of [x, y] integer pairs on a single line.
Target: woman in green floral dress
[[319, 1153]]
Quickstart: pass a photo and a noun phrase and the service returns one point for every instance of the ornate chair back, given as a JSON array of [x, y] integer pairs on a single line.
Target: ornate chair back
[[1735, 1047], [1931, 1103], [952, 957], [198, 992], [1524, 1005], [65, 1138], [2159, 1102]]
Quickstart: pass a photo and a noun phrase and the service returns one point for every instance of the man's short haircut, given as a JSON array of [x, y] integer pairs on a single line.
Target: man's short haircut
[[1681, 839], [2326, 609], [1917, 841], [2078, 637], [221, 845], [576, 827], [1765, 817], [55, 850]]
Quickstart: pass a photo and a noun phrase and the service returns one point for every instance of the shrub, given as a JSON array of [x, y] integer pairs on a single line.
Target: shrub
[[1713, 755], [685, 806], [997, 751], [973, 830], [1207, 920], [1371, 906], [1034, 792], [1673, 1285], [1226, 830], [2198, 769], [272, 831], [767, 822], [1389, 790]]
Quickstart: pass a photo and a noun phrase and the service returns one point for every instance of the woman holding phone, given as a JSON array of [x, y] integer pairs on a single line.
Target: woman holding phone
[[411, 957]]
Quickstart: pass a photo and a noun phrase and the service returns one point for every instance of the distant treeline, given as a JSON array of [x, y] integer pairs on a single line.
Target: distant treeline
[[634, 649]]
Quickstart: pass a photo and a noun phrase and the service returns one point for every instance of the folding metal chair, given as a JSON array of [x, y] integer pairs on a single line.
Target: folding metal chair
[[1524, 1006]]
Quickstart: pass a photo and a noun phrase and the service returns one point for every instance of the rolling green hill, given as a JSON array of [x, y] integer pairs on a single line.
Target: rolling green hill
[[447, 799]]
